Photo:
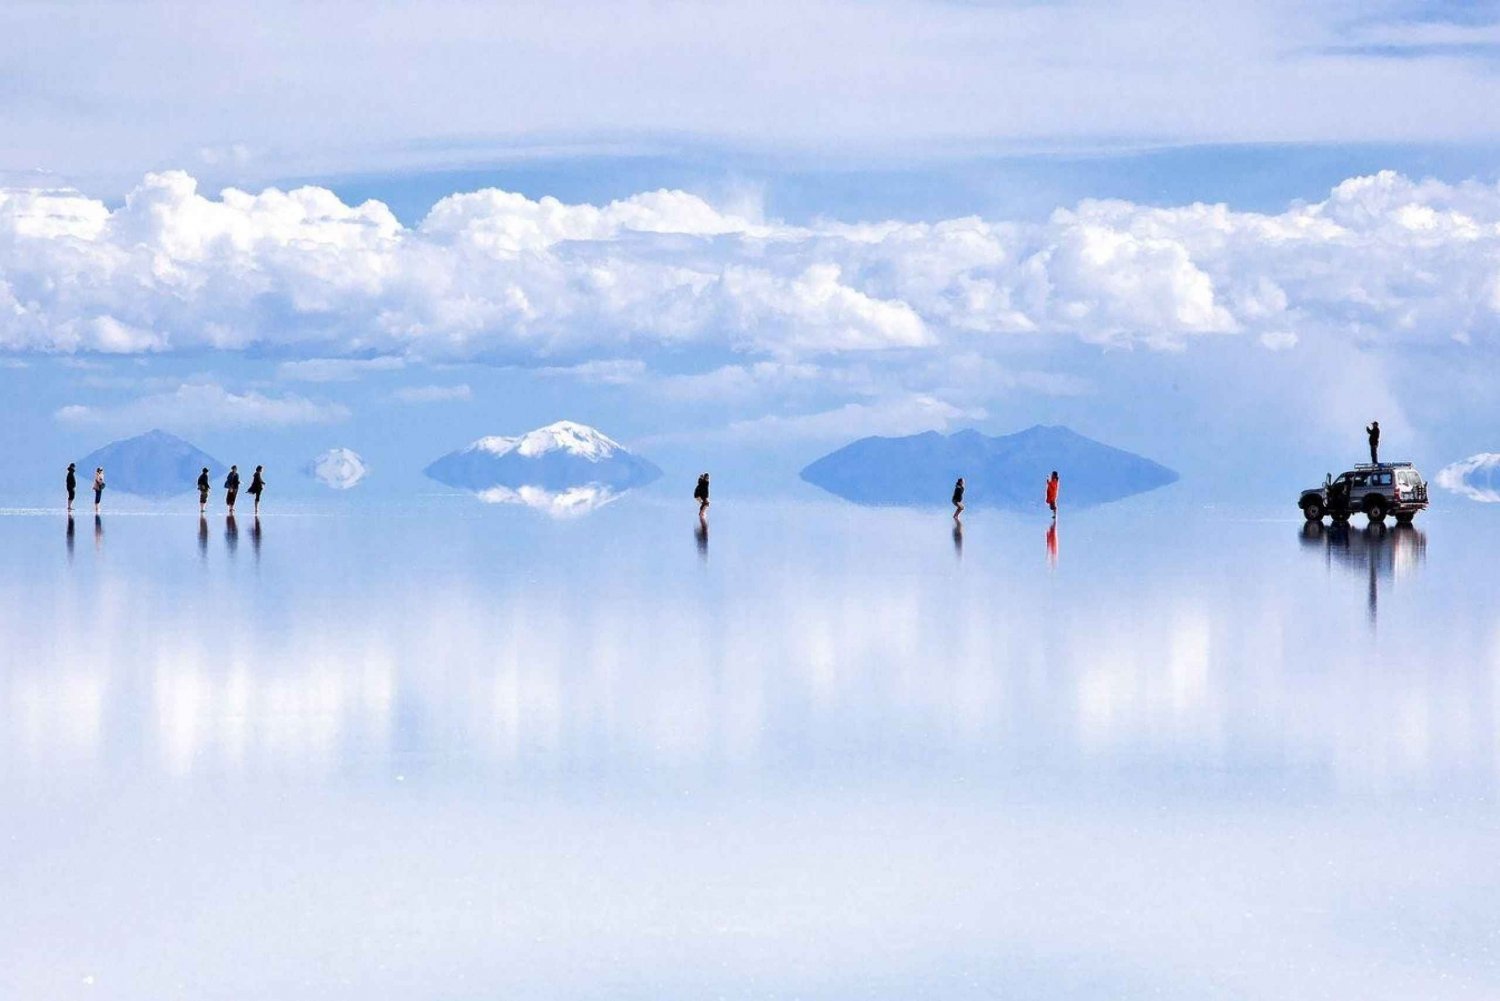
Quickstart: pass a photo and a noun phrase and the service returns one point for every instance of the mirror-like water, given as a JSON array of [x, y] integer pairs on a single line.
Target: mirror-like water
[[816, 751]]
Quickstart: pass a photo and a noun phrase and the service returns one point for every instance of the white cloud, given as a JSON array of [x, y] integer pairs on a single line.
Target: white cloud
[[335, 369], [433, 394], [497, 276], [901, 415], [1474, 477], [339, 468], [199, 405]]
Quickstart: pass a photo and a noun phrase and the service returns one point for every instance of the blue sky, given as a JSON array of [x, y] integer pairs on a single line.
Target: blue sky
[[738, 236]]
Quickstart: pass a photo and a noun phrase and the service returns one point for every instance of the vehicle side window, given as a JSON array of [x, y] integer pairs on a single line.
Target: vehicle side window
[[1357, 480], [1382, 479]]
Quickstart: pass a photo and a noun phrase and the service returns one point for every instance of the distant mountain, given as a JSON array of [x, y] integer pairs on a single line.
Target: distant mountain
[[553, 459], [1477, 477], [339, 468], [1007, 471], [154, 464]]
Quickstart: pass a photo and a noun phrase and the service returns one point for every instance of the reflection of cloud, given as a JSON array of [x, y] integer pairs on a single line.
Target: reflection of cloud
[[568, 503], [1473, 477], [339, 468]]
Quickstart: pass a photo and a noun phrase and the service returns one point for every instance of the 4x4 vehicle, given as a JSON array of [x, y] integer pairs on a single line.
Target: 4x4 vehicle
[[1377, 489]]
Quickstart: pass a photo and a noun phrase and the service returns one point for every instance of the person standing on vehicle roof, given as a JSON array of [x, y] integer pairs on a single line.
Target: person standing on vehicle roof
[[1374, 432]]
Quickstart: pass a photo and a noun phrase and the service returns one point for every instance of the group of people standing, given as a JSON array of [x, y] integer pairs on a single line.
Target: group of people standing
[[231, 487], [1054, 484], [72, 485]]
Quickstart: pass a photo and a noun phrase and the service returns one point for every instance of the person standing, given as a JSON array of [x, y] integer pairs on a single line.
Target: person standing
[[958, 498], [1053, 483], [98, 487], [1373, 430], [232, 488], [700, 494], [203, 488], [72, 484], [257, 486]]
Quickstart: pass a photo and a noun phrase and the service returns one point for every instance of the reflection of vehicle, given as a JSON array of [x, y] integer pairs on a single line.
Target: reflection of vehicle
[[1378, 552], [1377, 489]]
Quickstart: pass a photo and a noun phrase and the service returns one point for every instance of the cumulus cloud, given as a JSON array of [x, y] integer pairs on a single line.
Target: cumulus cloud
[[336, 369], [494, 275], [900, 415], [199, 405], [433, 394], [1474, 477]]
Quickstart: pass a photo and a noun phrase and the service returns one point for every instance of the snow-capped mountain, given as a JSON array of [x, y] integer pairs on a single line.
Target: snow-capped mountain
[[339, 468], [1005, 471], [1477, 477], [154, 464], [553, 459]]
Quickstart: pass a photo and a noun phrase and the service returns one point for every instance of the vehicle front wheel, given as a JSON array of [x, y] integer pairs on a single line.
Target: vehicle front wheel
[[1405, 519], [1375, 511], [1313, 510]]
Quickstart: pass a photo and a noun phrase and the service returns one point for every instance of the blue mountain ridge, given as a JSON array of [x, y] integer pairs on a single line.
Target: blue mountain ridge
[[1007, 471], [155, 464]]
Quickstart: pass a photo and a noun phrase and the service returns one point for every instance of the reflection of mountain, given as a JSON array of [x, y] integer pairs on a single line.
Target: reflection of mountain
[[563, 464], [1474, 477], [154, 464], [339, 468], [567, 503], [1007, 471]]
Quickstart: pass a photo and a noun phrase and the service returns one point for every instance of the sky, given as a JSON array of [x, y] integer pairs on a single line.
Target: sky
[[737, 236]]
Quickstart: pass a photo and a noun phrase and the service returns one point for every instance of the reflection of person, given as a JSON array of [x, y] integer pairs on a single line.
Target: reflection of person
[[1373, 430], [98, 533], [257, 485], [1052, 485], [701, 534], [72, 484], [232, 487], [958, 537], [958, 498], [255, 537], [231, 533], [98, 487], [70, 537], [203, 488], [1052, 544], [202, 536], [700, 494]]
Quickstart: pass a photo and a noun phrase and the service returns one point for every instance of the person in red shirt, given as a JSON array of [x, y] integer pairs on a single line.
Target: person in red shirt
[[1052, 485]]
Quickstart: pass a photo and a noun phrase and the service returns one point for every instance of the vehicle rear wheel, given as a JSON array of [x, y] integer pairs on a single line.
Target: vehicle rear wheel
[[1375, 511], [1313, 510]]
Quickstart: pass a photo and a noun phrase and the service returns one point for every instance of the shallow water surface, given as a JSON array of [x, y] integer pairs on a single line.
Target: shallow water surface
[[454, 751]]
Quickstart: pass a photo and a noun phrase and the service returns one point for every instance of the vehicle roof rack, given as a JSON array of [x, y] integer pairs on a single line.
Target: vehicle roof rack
[[1382, 465]]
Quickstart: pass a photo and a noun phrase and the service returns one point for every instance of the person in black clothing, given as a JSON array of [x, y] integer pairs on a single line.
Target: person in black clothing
[[72, 484], [257, 485], [958, 498], [232, 488], [203, 488], [700, 494], [1374, 432]]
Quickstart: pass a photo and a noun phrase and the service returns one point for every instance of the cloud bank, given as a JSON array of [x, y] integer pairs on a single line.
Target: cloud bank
[[207, 405], [492, 275]]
